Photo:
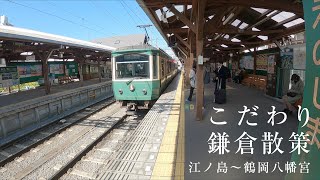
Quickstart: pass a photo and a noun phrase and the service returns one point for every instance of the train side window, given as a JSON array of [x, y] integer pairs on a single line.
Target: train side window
[[155, 67]]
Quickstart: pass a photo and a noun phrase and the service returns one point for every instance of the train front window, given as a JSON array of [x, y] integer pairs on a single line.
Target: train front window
[[132, 66]]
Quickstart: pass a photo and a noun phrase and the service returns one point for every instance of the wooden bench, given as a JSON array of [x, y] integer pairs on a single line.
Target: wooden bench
[[64, 79], [257, 81], [260, 82], [248, 80]]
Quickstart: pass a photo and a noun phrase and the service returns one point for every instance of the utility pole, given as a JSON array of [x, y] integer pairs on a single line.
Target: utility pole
[[145, 29]]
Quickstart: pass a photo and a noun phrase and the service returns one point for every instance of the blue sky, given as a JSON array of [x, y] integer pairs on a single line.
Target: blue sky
[[81, 19]]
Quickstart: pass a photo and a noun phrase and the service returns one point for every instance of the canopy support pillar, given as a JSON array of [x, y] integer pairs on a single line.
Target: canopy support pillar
[[44, 59], [199, 52]]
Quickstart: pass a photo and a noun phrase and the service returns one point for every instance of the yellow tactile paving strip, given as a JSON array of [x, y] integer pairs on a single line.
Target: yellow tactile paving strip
[[170, 159]]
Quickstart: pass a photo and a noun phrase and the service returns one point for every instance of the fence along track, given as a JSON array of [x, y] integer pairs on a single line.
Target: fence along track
[[23, 149]]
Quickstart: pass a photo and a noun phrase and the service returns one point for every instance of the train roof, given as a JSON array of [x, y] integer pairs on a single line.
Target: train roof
[[141, 47]]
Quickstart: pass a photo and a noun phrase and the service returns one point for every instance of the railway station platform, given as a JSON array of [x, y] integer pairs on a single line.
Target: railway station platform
[[169, 140], [27, 111], [155, 149], [199, 147], [17, 97]]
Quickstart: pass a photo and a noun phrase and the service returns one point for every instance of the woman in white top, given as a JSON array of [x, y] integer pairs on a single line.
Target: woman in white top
[[192, 76], [294, 94]]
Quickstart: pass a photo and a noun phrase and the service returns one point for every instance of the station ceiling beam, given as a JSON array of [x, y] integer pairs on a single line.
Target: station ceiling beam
[[182, 17], [160, 3], [281, 5], [185, 43]]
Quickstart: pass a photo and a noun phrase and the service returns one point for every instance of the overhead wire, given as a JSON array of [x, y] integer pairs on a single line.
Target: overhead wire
[[64, 19], [153, 33], [75, 15], [53, 15], [128, 13], [134, 13], [107, 12], [79, 17]]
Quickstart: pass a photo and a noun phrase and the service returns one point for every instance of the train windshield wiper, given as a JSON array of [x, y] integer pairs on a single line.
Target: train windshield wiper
[[128, 82], [137, 77]]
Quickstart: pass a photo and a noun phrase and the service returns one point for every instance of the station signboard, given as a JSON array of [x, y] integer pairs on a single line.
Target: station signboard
[[8, 76]]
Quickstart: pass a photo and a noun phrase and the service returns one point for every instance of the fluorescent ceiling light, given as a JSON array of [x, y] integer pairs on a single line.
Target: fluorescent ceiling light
[[228, 18]]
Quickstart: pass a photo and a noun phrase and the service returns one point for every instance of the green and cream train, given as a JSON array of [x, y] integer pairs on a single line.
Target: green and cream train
[[140, 74]]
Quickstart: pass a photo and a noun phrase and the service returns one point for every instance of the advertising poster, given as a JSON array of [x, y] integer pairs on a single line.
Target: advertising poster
[[29, 70], [9, 76], [247, 62], [287, 58], [56, 68], [262, 62]]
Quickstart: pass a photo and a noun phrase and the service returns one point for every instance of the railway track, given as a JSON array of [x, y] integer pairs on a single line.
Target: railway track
[[16, 148], [46, 160], [92, 164]]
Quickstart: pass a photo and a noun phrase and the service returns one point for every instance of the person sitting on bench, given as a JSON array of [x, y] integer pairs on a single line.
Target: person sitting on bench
[[294, 94]]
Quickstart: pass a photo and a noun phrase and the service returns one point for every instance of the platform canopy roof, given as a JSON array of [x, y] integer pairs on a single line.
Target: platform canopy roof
[[229, 25], [122, 41], [14, 41]]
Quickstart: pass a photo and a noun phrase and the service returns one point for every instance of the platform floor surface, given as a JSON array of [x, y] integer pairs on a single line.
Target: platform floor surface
[[198, 134], [17, 97], [141, 151]]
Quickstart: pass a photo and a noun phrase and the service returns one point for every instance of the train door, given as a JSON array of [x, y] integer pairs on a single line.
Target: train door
[[162, 71], [155, 66]]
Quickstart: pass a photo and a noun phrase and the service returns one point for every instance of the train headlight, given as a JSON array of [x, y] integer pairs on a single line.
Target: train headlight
[[131, 87], [120, 91], [144, 91]]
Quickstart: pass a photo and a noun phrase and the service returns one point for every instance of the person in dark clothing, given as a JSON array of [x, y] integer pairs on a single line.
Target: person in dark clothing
[[222, 75]]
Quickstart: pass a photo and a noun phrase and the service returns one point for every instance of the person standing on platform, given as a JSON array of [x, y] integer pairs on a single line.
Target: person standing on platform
[[222, 75], [192, 76], [206, 75]]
